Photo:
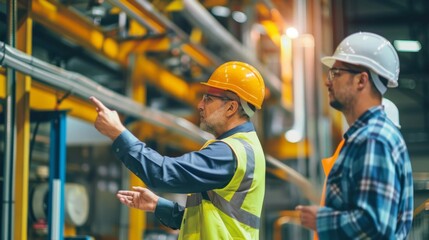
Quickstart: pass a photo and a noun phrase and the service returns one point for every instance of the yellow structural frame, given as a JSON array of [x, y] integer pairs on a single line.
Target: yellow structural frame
[[22, 167], [137, 218], [2, 83]]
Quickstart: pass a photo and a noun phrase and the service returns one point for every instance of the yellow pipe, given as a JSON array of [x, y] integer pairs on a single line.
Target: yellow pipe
[[2, 83], [45, 98], [424, 207], [285, 217], [70, 24], [136, 218], [286, 72], [272, 31], [197, 55], [135, 7], [23, 85], [169, 82]]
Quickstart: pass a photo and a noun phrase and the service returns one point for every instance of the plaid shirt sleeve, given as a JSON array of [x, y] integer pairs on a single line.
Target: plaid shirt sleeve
[[363, 196]]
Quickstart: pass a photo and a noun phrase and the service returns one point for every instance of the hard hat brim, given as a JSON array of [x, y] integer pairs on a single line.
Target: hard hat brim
[[210, 85], [329, 61]]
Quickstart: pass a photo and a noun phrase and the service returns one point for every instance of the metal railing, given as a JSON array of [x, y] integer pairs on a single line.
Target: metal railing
[[420, 229]]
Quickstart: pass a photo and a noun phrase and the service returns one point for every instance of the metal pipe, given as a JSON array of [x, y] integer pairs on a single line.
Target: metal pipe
[[198, 16], [296, 178], [177, 30], [9, 133], [133, 15], [84, 87], [170, 26]]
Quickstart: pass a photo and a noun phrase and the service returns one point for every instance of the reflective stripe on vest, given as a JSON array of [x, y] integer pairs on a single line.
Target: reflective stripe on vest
[[233, 207], [232, 212]]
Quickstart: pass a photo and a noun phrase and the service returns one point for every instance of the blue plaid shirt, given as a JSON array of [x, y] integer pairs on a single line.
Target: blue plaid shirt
[[369, 193]]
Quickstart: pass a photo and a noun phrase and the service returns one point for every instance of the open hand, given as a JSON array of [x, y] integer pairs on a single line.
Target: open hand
[[140, 198]]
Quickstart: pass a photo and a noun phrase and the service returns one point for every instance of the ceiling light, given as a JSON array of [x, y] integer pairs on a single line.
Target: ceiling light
[[407, 45], [239, 16], [293, 136], [292, 33], [221, 11]]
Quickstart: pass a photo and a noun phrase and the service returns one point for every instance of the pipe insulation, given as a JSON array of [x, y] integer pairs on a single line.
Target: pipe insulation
[[84, 87]]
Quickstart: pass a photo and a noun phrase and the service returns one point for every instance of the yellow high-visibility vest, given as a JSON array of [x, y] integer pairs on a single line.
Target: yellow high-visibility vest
[[234, 211]]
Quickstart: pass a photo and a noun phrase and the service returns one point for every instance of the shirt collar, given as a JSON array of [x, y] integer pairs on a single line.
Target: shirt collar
[[245, 127], [364, 119]]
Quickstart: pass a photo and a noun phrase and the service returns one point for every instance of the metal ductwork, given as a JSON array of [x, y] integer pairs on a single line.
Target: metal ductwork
[[198, 16], [84, 87]]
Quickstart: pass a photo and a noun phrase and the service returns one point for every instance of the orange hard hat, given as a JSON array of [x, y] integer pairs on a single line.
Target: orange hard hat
[[241, 79]]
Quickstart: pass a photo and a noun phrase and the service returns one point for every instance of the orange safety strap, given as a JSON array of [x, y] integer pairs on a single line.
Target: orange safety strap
[[327, 164]]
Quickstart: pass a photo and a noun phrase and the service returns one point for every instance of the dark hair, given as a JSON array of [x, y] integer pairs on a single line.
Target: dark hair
[[360, 68]]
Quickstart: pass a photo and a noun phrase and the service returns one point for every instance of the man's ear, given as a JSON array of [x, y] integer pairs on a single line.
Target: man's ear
[[363, 80], [232, 108]]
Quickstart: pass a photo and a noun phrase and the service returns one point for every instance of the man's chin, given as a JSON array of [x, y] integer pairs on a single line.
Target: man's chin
[[336, 105]]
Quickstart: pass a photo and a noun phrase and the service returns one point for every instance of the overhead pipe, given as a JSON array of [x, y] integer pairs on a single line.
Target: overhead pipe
[[146, 5], [84, 87], [165, 22], [135, 16], [198, 16]]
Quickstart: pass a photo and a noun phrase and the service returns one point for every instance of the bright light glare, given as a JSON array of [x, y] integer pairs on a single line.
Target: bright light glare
[[221, 11], [292, 33], [407, 45], [240, 17], [293, 136]]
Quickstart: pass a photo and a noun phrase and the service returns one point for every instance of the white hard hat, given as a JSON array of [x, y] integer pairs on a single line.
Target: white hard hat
[[392, 111], [371, 51]]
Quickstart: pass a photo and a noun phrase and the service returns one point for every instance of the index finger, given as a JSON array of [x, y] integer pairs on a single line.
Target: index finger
[[98, 103]]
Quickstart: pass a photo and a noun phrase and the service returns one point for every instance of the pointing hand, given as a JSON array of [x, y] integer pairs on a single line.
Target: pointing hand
[[107, 122]]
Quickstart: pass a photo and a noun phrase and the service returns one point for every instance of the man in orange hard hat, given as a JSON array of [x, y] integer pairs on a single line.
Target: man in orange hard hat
[[225, 179]]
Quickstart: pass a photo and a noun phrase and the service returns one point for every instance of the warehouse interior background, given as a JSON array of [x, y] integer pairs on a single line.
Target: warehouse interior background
[[146, 59]]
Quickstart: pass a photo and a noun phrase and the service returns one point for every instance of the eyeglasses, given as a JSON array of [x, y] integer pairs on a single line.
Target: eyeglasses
[[335, 72], [208, 98]]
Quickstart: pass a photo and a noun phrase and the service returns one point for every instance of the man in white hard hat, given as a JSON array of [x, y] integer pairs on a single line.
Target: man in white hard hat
[[369, 190]]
